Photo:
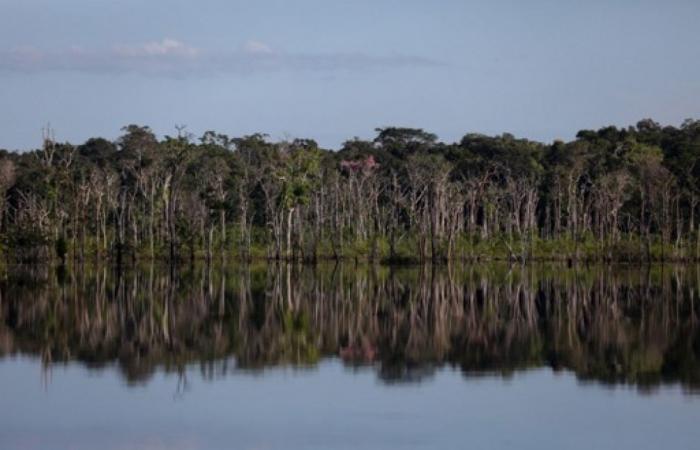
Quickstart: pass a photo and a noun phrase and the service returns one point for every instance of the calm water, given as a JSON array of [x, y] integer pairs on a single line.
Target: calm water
[[280, 357]]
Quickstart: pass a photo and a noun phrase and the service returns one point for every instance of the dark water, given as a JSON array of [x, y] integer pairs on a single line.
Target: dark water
[[280, 357]]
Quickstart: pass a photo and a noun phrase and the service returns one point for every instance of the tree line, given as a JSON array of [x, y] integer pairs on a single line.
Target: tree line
[[609, 194]]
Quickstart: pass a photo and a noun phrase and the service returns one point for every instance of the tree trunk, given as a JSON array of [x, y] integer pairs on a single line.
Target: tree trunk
[[288, 250]]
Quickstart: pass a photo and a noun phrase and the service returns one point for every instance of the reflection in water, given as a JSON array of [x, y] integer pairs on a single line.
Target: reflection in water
[[614, 325]]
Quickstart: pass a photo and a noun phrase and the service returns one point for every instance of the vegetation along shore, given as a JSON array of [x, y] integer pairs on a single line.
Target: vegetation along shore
[[613, 194]]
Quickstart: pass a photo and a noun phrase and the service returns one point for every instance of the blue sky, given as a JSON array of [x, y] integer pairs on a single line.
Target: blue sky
[[331, 70]]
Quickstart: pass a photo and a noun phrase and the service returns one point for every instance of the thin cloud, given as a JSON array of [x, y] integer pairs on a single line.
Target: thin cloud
[[257, 47], [171, 57], [165, 47]]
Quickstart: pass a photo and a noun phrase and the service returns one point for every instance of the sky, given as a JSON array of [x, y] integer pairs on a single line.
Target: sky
[[332, 70]]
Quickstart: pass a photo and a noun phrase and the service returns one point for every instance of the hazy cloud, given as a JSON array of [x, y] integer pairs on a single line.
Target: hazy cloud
[[257, 47], [167, 46], [171, 57]]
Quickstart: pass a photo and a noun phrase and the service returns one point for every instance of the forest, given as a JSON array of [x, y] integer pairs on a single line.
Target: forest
[[613, 194]]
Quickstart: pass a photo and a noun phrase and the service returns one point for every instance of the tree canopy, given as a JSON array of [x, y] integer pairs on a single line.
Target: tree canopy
[[612, 193]]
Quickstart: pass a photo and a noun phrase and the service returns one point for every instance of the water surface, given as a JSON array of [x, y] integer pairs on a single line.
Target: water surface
[[282, 357]]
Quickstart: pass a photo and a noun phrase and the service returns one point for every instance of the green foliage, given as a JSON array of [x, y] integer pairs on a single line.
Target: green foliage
[[613, 193], [299, 173]]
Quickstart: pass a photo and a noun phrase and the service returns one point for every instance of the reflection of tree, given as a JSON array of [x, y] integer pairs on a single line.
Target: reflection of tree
[[608, 325]]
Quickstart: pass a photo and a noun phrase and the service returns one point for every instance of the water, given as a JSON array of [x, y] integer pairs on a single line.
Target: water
[[280, 357]]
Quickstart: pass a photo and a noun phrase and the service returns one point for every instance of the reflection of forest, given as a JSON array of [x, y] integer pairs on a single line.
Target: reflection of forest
[[609, 324]]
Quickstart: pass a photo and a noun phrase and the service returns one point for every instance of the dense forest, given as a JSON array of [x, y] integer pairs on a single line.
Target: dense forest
[[626, 194]]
